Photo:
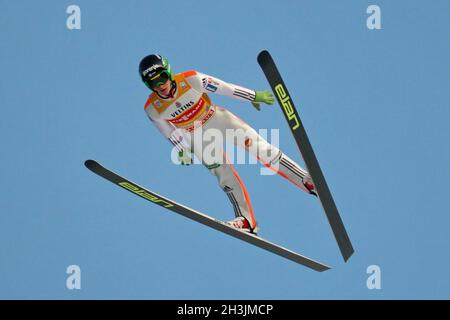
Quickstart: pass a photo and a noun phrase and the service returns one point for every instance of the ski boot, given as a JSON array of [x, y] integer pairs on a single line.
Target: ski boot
[[242, 224]]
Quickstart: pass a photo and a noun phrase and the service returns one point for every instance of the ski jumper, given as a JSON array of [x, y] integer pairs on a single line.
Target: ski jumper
[[190, 108]]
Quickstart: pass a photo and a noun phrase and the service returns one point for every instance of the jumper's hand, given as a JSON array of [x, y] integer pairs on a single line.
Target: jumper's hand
[[185, 157], [262, 97]]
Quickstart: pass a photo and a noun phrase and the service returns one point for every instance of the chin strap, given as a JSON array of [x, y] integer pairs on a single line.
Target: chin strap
[[174, 89]]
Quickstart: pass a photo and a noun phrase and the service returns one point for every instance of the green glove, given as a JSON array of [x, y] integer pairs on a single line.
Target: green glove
[[185, 157], [262, 97]]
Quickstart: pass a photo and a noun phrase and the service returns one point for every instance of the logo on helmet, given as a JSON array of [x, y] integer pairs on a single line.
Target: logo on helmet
[[152, 68]]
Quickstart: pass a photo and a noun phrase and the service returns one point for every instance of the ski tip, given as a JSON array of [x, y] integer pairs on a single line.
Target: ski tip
[[90, 163], [263, 55]]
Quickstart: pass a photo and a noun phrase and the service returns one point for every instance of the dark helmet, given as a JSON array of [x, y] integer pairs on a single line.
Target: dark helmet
[[151, 67]]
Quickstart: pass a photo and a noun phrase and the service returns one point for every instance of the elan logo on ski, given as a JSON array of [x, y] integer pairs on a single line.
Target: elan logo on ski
[[144, 194], [288, 109]]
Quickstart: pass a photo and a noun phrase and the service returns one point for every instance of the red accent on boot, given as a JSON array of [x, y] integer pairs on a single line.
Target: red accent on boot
[[309, 185]]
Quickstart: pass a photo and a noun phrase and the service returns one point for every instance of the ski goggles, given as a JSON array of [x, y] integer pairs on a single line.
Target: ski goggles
[[157, 80]]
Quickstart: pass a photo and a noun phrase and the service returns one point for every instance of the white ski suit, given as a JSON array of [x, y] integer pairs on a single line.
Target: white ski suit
[[190, 109]]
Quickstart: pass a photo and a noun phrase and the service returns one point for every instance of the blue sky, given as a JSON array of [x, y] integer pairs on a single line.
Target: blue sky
[[375, 104]]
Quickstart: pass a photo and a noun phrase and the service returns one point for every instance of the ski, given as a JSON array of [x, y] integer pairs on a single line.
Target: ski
[[290, 112], [202, 218]]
